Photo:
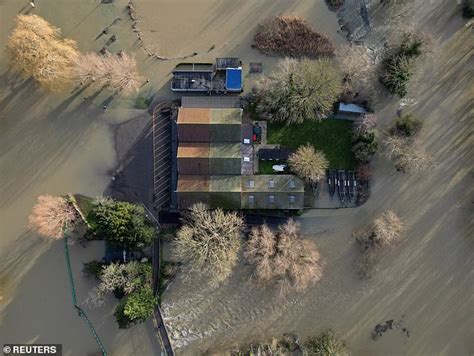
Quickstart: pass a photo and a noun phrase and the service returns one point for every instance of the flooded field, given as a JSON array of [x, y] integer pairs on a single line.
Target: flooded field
[[63, 143]]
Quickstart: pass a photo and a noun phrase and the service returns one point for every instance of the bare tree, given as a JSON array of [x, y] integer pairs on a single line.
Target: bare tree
[[407, 154], [284, 258], [364, 124], [298, 91], [124, 74], [308, 163], [127, 278], [117, 72], [37, 50], [385, 230], [359, 66], [51, 216], [209, 240], [87, 68]]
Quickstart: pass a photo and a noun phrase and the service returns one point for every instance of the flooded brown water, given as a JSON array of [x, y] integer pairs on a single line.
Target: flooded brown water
[[58, 144]]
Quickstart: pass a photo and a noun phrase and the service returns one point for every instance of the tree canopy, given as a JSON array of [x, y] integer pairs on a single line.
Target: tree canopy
[[284, 257], [121, 223], [308, 163], [298, 91], [51, 216], [37, 50], [209, 240]]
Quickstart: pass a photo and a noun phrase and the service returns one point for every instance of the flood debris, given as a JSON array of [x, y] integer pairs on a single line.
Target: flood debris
[[390, 324]]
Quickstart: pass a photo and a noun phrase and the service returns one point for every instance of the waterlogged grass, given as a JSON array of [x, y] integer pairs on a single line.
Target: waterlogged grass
[[331, 136]]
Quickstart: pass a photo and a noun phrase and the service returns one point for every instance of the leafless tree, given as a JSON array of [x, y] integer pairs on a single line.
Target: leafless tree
[[387, 228], [117, 72], [209, 241], [365, 123], [407, 154], [124, 74], [308, 163], [51, 216], [384, 231], [128, 278], [359, 65], [87, 68], [284, 258], [298, 91], [36, 50]]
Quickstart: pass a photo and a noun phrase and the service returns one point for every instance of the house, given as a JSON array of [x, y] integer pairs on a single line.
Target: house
[[215, 158], [223, 76]]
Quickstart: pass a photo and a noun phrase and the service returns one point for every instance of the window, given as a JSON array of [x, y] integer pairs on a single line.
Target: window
[[246, 159], [251, 183], [271, 183], [251, 199], [271, 199], [292, 199], [292, 184]]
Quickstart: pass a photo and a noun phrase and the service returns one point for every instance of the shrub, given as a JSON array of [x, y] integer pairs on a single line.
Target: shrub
[[136, 308], [209, 241], [51, 216], [140, 305], [468, 9], [364, 124], [122, 224], [363, 172], [325, 344], [284, 258], [308, 163], [407, 126], [93, 268], [364, 145], [120, 279], [36, 49], [335, 4], [142, 102], [298, 91], [291, 36]]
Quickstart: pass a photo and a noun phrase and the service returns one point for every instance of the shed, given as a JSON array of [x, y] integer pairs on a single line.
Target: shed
[[274, 154], [350, 108]]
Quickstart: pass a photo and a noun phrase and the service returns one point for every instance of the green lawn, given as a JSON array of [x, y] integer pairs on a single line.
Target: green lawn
[[331, 136], [85, 205]]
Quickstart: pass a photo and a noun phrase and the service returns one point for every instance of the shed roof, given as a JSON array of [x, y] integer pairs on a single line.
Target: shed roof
[[194, 149], [272, 183], [274, 153], [351, 108], [209, 116]]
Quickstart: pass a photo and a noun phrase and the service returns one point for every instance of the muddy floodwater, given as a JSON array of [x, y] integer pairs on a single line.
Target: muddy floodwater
[[419, 303]]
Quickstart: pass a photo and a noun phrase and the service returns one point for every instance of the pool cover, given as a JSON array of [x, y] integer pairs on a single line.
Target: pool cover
[[233, 79]]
